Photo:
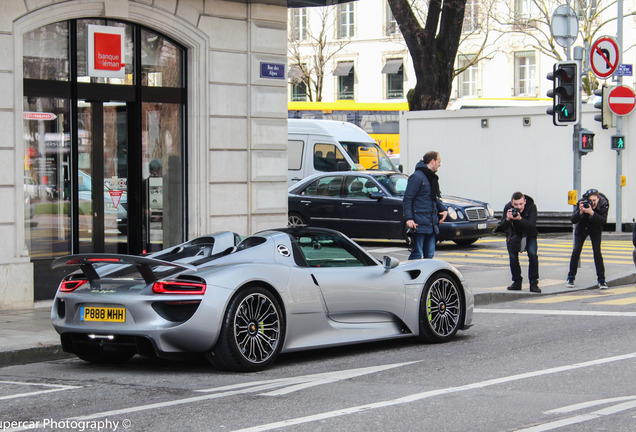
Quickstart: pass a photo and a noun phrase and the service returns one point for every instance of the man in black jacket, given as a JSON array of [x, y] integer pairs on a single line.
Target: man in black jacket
[[519, 222], [589, 216]]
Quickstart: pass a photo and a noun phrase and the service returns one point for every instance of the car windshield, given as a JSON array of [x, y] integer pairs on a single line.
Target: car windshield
[[368, 156], [394, 183]]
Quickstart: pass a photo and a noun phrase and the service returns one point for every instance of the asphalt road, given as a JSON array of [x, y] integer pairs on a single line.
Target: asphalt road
[[551, 363]]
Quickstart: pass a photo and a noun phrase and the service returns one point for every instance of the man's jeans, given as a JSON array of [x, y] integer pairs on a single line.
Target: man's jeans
[[533, 261], [579, 239], [423, 244]]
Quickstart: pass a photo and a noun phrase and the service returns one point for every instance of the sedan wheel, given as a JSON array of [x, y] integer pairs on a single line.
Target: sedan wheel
[[252, 333], [295, 220], [441, 309]]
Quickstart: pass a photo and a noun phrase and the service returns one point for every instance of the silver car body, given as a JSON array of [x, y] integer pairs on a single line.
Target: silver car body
[[322, 305]]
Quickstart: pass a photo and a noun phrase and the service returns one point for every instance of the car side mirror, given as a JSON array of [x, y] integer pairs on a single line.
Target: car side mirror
[[376, 196], [390, 262], [401, 168], [343, 166]]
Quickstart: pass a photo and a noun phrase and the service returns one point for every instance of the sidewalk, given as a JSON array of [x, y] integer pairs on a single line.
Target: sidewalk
[[27, 335]]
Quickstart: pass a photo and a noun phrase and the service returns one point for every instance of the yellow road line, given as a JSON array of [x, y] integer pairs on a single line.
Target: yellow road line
[[560, 299], [618, 302]]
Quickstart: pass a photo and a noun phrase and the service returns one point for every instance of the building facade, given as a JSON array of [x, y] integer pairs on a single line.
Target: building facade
[[366, 59], [186, 135]]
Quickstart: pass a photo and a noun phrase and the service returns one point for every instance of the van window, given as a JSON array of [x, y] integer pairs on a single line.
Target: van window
[[295, 154], [368, 156], [326, 157]]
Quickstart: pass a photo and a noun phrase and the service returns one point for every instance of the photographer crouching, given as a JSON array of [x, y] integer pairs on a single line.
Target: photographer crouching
[[589, 216], [519, 222]]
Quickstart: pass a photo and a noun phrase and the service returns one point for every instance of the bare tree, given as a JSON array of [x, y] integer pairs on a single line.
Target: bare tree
[[310, 51], [479, 40], [534, 25], [433, 49]]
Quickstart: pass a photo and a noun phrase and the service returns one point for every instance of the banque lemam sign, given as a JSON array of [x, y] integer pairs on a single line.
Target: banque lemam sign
[[106, 51]]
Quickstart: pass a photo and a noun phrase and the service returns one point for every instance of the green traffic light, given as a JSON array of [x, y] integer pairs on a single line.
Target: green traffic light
[[621, 144]]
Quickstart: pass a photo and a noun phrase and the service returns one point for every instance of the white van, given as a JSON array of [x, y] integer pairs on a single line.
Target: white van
[[328, 145]]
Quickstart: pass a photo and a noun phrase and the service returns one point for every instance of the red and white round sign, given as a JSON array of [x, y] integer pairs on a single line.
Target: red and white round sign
[[621, 100], [604, 57]]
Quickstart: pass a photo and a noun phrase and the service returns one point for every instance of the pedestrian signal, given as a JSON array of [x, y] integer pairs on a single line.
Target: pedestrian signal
[[618, 142]]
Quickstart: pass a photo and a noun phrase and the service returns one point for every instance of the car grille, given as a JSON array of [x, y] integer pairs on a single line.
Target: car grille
[[476, 213]]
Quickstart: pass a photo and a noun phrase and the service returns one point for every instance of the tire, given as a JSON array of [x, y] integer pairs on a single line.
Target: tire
[[466, 242], [295, 220], [106, 357], [441, 308], [252, 333]]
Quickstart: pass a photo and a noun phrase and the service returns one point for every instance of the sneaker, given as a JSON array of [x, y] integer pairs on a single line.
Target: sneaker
[[534, 287], [570, 283], [516, 286], [602, 285]]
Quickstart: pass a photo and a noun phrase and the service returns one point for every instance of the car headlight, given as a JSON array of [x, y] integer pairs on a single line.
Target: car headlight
[[460, 214], [452, 214], [490, 210]]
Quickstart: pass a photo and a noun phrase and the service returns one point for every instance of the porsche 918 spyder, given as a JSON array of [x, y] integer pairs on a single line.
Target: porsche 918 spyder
[[241, 303]]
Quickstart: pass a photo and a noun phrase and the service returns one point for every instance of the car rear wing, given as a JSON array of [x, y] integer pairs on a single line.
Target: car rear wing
[[144, 265]]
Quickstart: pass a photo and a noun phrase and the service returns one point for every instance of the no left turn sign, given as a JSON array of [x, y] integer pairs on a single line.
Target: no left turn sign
[[621, 100], [604, 57]]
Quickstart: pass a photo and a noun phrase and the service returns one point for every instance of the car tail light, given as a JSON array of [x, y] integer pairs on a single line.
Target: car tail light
[[178, 287], [71, 284]]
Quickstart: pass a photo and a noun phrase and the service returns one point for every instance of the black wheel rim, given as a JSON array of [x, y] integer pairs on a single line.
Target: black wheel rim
[[257, 328], [443, 307]]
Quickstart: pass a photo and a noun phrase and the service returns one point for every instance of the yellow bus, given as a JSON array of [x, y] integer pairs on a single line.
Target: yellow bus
[[380, 120]]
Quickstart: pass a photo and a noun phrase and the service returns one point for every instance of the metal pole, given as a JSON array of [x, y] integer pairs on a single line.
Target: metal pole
[[619, 124]]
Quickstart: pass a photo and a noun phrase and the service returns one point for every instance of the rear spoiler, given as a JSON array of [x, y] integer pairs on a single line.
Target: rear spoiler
[[144, 265]]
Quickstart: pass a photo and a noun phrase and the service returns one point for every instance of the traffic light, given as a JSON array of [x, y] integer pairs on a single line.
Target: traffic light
[[586, 141], [606, 116], [618, 142], [565, 93]]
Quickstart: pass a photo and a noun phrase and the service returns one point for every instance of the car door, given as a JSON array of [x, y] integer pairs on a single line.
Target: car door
[[363, 214], [319, 202], [354, 286]]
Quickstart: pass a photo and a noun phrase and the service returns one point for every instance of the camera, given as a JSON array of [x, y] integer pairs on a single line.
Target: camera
[[586, 203], [514, 212]]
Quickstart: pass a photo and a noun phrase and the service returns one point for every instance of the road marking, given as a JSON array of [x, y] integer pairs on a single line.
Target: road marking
[[432, 393], [293, 384], [630, 404], [555, 312], [53, 388], [255, 386], [618, 302]]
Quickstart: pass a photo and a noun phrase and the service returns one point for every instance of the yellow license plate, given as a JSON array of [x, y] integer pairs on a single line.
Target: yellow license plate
[[104, 314]]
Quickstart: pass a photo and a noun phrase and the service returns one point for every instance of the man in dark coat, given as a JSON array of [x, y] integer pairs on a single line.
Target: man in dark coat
[[589, 216], [422, 205], [519, 222]]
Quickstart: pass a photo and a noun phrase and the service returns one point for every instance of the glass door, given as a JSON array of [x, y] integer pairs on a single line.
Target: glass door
[[102, 176]]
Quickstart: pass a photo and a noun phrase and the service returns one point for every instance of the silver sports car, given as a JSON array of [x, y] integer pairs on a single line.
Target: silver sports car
[[242, 303]]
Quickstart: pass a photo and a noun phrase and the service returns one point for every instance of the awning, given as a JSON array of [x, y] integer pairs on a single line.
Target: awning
[[310, 3], [392, 66], [343, 68]]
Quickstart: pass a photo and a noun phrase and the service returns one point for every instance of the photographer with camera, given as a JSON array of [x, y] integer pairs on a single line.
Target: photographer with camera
[[519, 222], [589, 216]]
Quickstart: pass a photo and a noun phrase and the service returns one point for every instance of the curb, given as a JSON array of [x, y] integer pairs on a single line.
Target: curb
[[33, 355], [485, 298]]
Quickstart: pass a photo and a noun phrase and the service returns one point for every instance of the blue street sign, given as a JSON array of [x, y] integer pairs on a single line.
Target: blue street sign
[[273, 70], [624, 70]]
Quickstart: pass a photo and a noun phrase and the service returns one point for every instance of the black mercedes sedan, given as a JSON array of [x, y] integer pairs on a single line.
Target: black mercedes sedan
[[368, 204]]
